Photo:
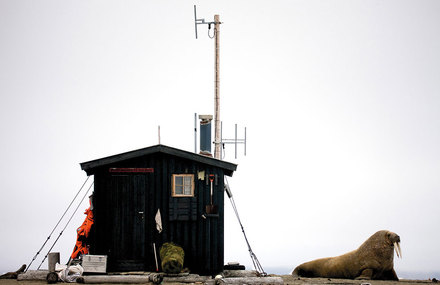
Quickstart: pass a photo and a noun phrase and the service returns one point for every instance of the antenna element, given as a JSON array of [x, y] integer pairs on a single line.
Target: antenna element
[[195, 19], [201, 21]]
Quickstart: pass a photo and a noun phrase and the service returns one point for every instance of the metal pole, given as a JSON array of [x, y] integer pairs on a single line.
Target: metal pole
[[221, 139], [235, 140], [195, 128], [155, 256], [158, 133], [195, 21], [245, 138], [217, 88]]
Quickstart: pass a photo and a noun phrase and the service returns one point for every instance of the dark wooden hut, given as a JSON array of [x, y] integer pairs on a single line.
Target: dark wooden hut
[[129, 190]]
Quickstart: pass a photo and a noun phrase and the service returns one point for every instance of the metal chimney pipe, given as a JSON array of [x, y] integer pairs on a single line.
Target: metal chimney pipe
[[205, 135]]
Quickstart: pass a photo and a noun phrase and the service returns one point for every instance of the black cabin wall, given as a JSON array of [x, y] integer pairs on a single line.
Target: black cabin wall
[[118, 227]]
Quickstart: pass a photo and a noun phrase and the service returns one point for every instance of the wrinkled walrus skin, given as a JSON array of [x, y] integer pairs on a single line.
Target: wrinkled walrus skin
[[372, 260]]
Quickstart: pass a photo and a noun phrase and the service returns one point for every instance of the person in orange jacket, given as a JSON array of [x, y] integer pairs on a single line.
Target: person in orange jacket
[[81, 246]]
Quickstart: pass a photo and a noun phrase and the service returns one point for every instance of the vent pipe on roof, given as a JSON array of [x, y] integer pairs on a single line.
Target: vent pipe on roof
[[205, 135]]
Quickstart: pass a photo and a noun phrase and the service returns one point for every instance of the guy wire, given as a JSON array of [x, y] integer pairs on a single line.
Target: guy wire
[[74, 212], [255, 261], [74, 198]]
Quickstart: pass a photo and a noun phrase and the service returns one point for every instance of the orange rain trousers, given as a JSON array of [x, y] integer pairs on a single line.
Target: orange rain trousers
[[83, 232]]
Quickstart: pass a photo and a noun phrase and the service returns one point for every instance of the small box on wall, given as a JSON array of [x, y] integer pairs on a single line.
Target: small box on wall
[[94, 263]]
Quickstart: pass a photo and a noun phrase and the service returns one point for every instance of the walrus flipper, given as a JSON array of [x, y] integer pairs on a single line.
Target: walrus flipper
[[389, 275], [299, 272], [367, 274], [13, 275]]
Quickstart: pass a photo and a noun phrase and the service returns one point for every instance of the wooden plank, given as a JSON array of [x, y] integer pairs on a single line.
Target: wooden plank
[[251, 280], [221, 223], [115, 279], [191, 278], [33, 275], [151, 234]]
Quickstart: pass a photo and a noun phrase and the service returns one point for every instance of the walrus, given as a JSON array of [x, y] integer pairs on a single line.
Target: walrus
[[372, 260]]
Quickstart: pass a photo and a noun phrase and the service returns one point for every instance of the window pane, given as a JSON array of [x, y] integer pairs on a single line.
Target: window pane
[[188, 180], [178, 180], [178, 190], [187, 190]]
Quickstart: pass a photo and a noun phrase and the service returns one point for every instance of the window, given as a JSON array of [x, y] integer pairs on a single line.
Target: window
[[183, 185]]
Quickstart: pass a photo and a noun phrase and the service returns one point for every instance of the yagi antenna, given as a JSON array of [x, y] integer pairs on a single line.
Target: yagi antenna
[[236, 141]]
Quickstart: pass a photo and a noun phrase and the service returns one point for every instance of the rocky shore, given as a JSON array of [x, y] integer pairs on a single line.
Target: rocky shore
[[228, 277], [289, 279]]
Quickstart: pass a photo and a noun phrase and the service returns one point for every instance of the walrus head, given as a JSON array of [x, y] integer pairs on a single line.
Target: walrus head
[[394, 240]]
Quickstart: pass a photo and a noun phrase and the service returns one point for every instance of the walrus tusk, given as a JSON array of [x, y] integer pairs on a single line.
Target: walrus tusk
[[397, 249]]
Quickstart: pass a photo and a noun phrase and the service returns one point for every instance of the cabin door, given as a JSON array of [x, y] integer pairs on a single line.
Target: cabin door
[[129, 247]]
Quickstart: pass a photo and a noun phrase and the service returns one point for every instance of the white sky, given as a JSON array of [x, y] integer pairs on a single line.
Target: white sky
[[341, 101]]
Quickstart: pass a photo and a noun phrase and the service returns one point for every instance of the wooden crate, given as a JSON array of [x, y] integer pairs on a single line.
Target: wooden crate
[[94, 263]]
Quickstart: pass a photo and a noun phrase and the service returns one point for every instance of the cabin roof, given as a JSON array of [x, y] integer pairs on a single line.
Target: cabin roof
[[90, 166]]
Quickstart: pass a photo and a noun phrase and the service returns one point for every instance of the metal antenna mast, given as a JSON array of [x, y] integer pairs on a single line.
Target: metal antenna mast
[[217, 127]]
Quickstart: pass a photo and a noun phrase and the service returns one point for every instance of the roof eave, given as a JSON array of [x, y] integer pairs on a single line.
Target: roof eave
[[90, 166]]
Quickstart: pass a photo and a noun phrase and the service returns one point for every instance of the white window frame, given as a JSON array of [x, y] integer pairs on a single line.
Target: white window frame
[[173, 194]]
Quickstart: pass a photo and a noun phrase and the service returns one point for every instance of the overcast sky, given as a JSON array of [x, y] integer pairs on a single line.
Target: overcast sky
[[340, 99]]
